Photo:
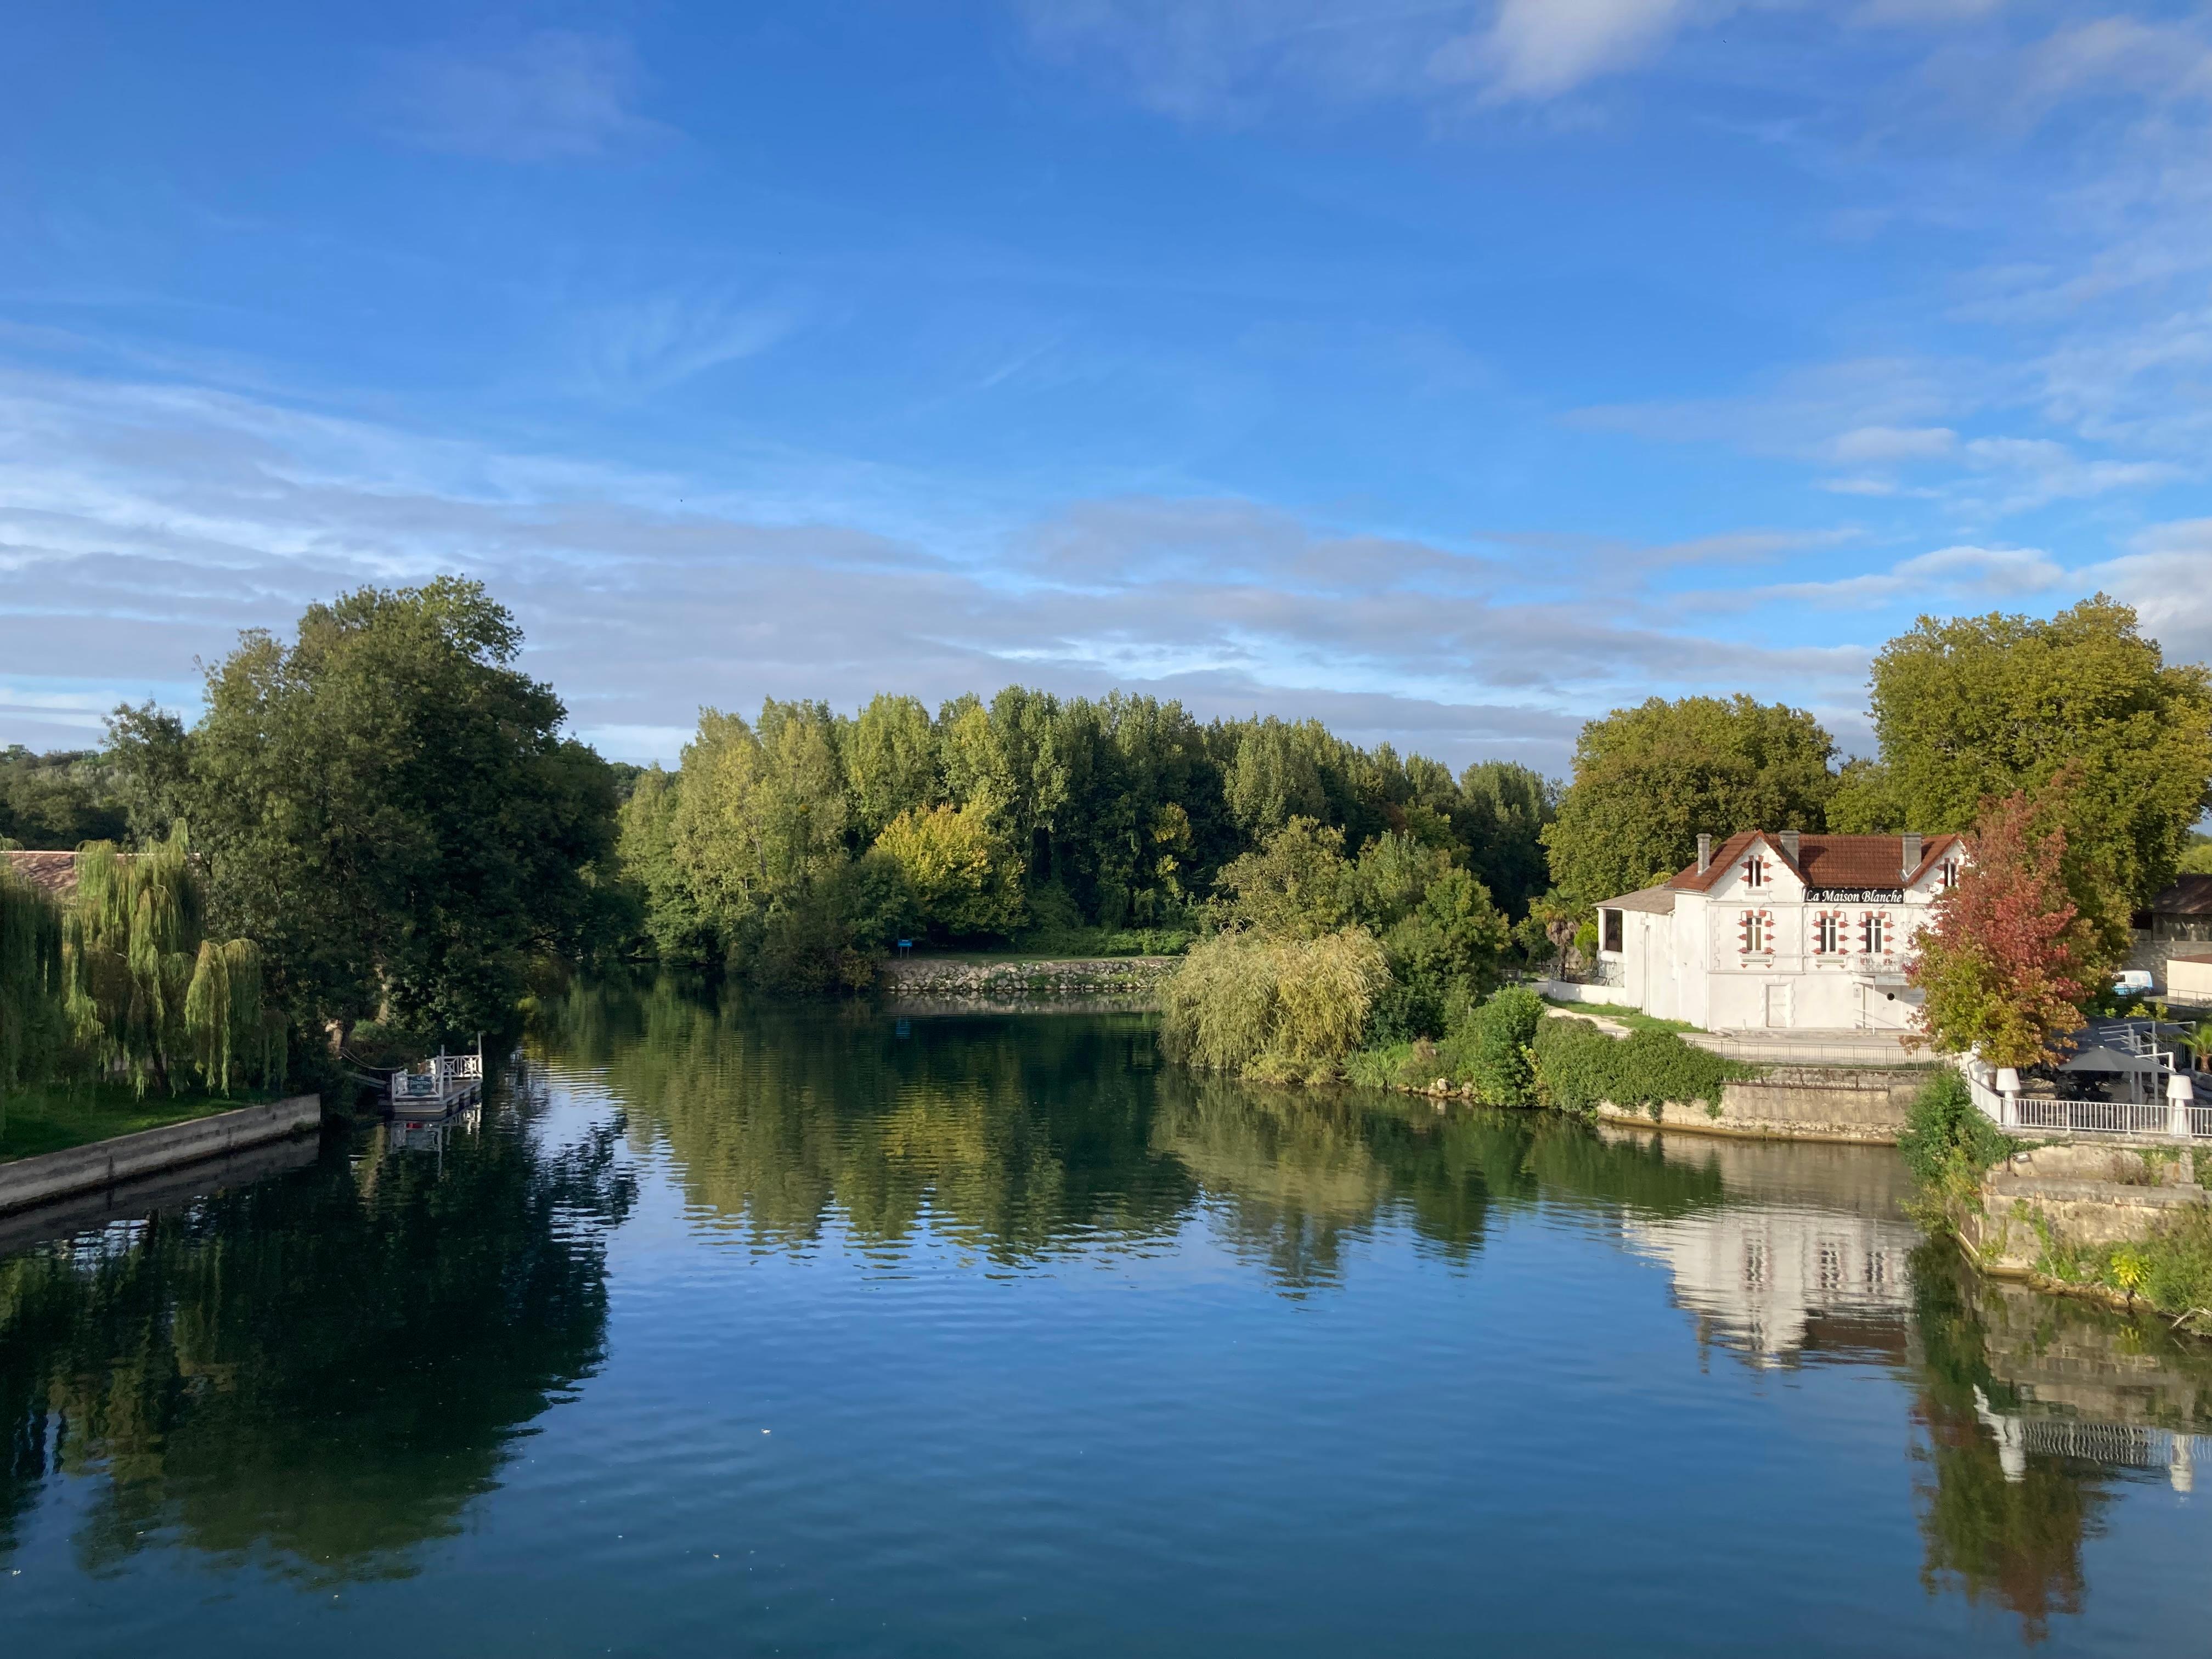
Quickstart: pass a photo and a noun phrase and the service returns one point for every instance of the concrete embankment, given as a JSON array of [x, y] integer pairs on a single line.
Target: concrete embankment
[[165, 1189], [106, 1164], [956, 984], [1863, 1104]]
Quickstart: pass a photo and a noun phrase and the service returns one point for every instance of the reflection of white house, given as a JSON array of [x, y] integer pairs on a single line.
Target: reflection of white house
[[1797, 932], [1758, 1278]]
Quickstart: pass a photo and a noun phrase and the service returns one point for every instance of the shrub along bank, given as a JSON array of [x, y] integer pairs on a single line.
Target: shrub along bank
[[1951, 1147], [1508, 1052]]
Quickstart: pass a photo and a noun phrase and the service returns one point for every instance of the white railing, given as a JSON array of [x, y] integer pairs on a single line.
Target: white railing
[[1992, 1104], [2103, 1117], [438, 1078], [2127, 1444], [2173, 1118]]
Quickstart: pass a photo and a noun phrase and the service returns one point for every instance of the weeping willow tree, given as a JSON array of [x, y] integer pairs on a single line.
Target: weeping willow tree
[[147, 995], [33, 1030], [232, 1032]]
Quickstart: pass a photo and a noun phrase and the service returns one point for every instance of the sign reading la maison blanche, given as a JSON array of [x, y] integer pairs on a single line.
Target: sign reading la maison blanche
[[1855, 894]]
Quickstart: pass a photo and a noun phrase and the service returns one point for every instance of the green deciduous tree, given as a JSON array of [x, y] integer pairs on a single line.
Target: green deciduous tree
[[965, 879], [674, 921], [890, 763], [147, 992], [387, 808], [1279, 1007], [1649, 780], [1977, 708], [1505, 807], [1295, 885], [58, 800], [34, 1032], [1441, 934], [761, 817]]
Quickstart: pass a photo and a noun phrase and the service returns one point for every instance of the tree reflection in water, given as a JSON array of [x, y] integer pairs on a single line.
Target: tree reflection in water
[[318, 1372], [1024, 1137], [1987, 1535]]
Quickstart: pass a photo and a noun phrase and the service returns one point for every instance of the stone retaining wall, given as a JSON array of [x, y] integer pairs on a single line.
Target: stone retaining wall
[[1133, 980], [1797, 1102], [28, 1181], [1865, 1105], [2075, 1195]]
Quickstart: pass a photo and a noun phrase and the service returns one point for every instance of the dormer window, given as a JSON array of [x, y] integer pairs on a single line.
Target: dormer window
[[1754, 871]]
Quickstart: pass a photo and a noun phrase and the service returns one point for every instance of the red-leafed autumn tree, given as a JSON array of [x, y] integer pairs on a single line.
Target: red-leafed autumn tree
[[2011, 958]]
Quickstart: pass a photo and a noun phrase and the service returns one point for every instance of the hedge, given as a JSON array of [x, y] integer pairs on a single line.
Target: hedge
[[1577, 1065]]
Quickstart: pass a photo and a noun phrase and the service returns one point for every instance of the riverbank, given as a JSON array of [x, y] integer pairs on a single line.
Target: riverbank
[[27, 1181], [55, 1118], [956, 984], [2117, 1222], [1526, 1054]]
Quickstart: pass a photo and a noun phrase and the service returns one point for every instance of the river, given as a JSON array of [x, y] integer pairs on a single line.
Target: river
[[730, 1330]]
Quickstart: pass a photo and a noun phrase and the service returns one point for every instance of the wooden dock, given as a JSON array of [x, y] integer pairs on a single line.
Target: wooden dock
[[443, 1082]]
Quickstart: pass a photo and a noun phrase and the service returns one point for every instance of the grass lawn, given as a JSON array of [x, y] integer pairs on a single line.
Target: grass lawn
[[51, 1119], [1634, 1018]]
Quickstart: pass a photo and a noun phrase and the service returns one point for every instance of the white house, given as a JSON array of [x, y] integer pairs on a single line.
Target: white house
[[1779, 929]]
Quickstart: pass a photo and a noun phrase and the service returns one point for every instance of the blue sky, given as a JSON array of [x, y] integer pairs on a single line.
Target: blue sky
[[1452, 372]]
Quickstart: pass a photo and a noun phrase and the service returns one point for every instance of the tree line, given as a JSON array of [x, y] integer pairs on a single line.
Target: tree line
[[395, 817], [795, 846]]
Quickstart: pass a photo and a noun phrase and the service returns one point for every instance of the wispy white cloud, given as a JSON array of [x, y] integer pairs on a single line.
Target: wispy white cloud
[[2167, 576], [1539, 49], [1954, 575], [656, 341], [554, 95], [1879, 419], [2108, 55], [142, 525], [1237, 59], [1875, 444], [1922, 12]]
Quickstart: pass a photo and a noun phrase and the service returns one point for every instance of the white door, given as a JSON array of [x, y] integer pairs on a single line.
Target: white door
[[1777, 1006]]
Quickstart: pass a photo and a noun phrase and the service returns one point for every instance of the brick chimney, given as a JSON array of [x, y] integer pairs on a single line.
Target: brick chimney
[[1912, 850], [1705, 854], [1789, 840]]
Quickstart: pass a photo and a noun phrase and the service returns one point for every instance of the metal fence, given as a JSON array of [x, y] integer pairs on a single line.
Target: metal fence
[[2107, 1117], [2174, 1120]]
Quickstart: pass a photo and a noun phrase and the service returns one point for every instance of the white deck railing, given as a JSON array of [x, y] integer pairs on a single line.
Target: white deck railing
[[440, 1077], [2180, 1120], [2101, 1117]]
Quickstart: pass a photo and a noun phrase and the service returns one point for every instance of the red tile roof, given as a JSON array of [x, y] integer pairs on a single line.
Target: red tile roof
[[2189, 896], [1826, 861], [51, 872]]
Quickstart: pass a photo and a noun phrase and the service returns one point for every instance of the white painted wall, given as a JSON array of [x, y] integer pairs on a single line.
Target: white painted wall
[[1690, 965]]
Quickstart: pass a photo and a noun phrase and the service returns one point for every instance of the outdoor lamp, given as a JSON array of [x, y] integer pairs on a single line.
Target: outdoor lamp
[[2178, 1089], [2007, 1080]]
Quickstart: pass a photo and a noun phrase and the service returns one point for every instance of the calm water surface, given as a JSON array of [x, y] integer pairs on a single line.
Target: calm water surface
[[730, 1332]]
